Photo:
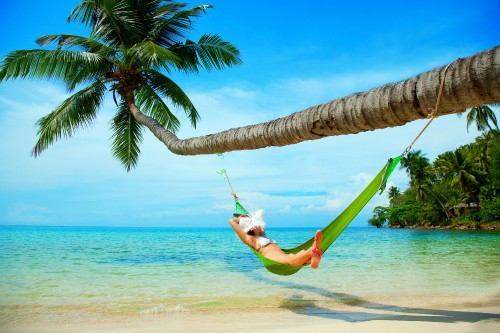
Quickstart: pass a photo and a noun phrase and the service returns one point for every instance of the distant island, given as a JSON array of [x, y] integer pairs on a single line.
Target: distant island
[[459, 190]]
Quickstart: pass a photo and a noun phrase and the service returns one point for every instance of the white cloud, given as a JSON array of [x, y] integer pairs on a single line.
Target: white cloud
[[24, 213], [334, 204], [306, 92]]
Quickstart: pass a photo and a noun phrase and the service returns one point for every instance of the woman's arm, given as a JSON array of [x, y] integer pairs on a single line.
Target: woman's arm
[[247, 239]]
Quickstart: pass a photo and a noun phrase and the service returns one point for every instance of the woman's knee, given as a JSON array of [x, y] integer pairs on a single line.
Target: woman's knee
[[297, 259]]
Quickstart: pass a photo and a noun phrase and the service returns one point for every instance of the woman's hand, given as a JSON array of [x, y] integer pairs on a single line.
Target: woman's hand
[[237, 219]]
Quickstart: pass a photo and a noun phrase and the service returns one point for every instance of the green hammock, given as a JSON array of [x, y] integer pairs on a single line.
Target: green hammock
[[335, 228]]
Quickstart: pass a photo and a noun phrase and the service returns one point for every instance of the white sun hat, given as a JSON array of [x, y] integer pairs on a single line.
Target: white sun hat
[[256, 219]]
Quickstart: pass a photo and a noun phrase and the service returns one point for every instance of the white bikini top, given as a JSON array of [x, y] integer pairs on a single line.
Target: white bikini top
[[264, 241]]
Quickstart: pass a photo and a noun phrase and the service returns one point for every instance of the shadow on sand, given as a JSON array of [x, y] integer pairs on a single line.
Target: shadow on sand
[[367, 311]]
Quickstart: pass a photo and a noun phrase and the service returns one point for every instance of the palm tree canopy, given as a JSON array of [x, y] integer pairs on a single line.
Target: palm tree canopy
[[481, 116], [415, 163], [132, 47], [459, 169]]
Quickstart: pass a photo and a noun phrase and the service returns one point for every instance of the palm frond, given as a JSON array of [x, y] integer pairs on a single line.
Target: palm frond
[[151, 55], [84, 43], [84, 12], [48, 64], [481, 116], [151, 104], [113, 21], [173, 23], [75, 112], [490, 115], [178, 7], [118, 24], [169, 89], [146, 11], [211, 52], [146, 8], [127, 136], [88, 74], [471, 117]]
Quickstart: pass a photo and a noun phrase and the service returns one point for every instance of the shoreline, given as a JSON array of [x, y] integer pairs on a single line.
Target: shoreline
[[465, 227], [301, 317]]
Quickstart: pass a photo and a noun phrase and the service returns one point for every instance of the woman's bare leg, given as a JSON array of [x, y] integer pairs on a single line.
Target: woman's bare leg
[[298, 259], [311, 255]]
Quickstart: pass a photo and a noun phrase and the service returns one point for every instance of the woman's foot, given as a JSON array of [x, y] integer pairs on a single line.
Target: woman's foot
[[316, 251]]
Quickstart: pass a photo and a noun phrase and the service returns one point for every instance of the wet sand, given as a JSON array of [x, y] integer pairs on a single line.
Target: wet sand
[[368, 317]]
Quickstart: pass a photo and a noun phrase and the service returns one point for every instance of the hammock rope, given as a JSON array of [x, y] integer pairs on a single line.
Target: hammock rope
[[432, 115]]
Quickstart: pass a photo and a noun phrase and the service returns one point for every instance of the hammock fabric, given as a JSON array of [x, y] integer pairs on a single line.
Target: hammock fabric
[[335, 228]]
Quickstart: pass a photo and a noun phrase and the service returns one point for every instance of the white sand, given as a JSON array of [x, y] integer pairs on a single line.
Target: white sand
[[479, 319]]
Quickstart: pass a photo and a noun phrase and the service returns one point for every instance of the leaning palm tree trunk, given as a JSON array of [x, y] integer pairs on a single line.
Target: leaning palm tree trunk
[[469, 82]]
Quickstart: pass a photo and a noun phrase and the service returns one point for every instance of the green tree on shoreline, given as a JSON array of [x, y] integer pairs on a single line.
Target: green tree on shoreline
[[459, 188]]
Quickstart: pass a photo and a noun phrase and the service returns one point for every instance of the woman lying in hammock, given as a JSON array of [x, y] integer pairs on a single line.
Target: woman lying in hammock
[[250, 229]]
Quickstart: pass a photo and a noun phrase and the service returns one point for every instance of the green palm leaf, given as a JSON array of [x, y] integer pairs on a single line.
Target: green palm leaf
[[153, 56], [127, 135], [152, 104], [75, 112], [110, 20], [481, 116], [173, 23], [211, 52], [169, 89], [47, 64], [86, 44]]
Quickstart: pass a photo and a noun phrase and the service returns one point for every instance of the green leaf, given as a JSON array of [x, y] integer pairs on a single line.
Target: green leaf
[[154, 56], [48, 64], [151, 104], [69, 41], [113, 21], [127, 135], [169, 89], [211, 52], [173, 23], [75, 112]]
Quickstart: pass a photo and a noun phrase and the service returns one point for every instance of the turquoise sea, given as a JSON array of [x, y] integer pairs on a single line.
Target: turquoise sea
[[78, 272]]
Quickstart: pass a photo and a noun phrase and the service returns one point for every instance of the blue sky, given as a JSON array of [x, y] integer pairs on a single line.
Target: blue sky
[[296, 54]]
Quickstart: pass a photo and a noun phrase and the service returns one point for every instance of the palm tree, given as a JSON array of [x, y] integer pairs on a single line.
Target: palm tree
[[133, 46], [393, 194], [486, 145], [422, 178], [456, 167], [418, 169], [379, 217], [481, 116]]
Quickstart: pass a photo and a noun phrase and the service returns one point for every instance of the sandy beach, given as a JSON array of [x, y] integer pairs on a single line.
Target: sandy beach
[[366, 317]]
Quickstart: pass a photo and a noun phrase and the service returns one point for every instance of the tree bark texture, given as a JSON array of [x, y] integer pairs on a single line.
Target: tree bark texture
[[469, 82]]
